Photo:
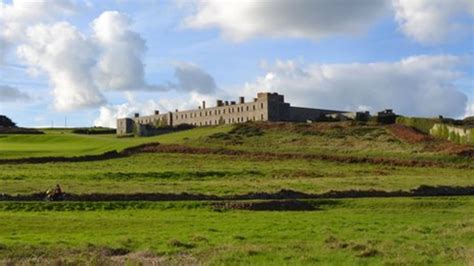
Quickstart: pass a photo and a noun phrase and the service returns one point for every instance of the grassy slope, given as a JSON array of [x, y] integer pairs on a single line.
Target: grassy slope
[[379, 231], [219, 174], [64, 143], [400, 231]]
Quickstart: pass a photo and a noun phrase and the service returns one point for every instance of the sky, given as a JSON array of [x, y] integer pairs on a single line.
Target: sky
[[85, 63]]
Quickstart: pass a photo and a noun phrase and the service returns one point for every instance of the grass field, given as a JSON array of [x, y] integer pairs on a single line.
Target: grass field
[[374, 231], [436, 230]]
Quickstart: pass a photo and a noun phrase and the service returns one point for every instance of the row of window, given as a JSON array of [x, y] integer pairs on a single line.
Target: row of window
[[224, 121], [217, 112], [212, 122]]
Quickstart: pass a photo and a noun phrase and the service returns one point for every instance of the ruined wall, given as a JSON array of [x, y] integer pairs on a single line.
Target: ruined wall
[[300, 114]]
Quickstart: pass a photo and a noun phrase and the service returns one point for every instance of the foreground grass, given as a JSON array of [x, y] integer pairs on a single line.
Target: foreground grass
[[219, 175], [393, 231]]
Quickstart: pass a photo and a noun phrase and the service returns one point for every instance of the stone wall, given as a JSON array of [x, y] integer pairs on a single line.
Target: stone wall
[[266, 107]]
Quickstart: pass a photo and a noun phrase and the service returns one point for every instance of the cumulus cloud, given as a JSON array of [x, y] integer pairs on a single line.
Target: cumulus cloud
[[120, 65], [426, 21], [19, 14], [243, 19], [192, 78], [67, 57], [418, 85], [433, 21], [12, 94], [79, 66]]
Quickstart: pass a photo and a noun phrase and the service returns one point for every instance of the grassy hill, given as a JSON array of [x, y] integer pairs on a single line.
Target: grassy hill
[[225, 161]]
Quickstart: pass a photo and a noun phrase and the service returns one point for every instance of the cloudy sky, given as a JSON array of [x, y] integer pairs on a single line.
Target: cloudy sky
[[91, 61]]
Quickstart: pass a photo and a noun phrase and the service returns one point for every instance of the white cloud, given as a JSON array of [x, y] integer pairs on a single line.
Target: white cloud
[[67, 57], [433, 21], [19, 14], [12, 94], [15, 17], [418, 85], [109, 113], [426, 21], [243, 19], [79, 66], [120, 65]]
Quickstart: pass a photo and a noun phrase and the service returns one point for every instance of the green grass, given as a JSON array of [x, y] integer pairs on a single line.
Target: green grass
[[64, 143], [219, 175], [344, 232], [363, 231]]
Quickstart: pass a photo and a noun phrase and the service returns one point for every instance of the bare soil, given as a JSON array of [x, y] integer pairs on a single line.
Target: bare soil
[[421, 191]]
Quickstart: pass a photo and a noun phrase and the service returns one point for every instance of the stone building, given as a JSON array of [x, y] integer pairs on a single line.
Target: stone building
[[266, 107]]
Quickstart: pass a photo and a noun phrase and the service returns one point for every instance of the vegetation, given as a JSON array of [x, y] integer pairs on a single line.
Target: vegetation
[[363, 231], [94, 130], [234, 160], [6, 122]]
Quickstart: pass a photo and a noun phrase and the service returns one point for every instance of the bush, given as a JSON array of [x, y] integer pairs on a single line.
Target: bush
[[94, 131]]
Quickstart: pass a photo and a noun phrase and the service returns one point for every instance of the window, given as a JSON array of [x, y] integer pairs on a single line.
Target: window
[[200, 113], [223, 111], [254, 107], [247, 108], [261, 105], [261, 116]]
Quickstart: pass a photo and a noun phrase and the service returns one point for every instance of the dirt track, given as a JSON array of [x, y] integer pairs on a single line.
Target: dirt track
[[422, 191], [161, 148]]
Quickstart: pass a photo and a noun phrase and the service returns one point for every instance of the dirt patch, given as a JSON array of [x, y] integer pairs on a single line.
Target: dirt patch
[[421, 191], [287, 205], [430, 143], [175, 148], [444, 146], [409, 134]]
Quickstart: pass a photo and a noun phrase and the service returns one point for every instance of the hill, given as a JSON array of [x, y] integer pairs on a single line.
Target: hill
[[254, 193]]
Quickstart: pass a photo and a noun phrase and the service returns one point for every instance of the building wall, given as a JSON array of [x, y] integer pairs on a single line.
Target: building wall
[[266, 107], [301, 114], [124, 126]]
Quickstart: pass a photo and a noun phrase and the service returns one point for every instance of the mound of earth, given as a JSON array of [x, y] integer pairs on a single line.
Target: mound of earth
[[409, 134], [287, 205]]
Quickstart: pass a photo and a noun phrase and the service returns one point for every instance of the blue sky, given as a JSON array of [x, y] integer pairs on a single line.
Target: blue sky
[[93, 61]]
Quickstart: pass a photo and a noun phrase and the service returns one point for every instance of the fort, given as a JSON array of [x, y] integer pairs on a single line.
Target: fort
[[266, 107]]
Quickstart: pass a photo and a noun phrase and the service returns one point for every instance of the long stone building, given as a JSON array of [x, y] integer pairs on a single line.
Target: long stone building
[[266, 107]]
